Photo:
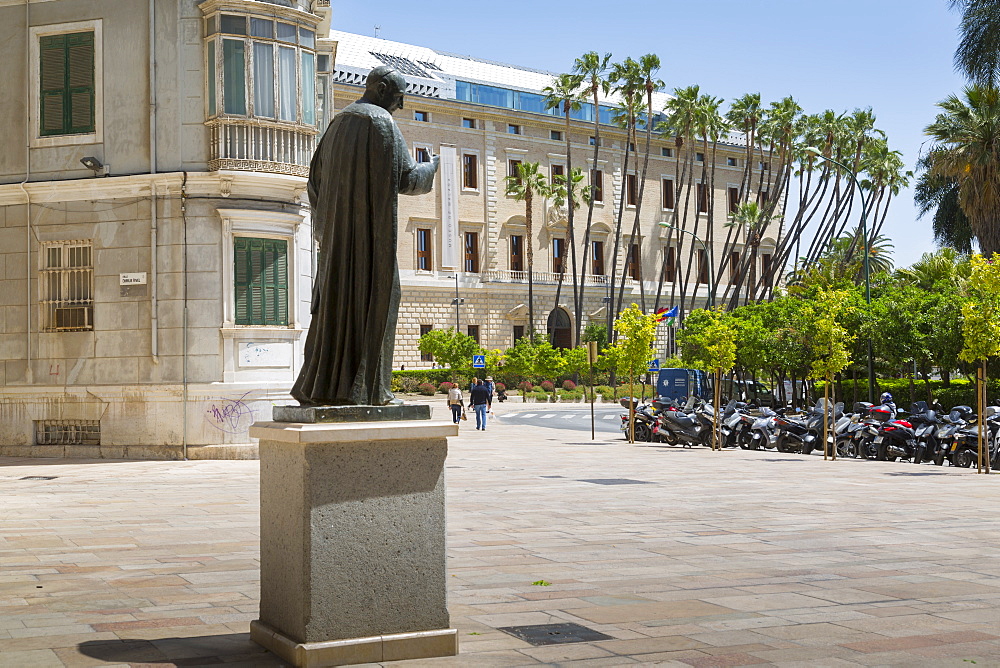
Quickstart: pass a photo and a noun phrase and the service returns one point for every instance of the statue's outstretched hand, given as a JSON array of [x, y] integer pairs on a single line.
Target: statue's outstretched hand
[[435, 160]]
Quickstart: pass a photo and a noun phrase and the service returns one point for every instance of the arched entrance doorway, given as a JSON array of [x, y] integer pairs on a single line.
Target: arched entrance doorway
[[560, 329]]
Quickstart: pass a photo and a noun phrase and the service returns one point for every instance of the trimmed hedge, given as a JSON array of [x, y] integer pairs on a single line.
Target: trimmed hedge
[[960, 391]]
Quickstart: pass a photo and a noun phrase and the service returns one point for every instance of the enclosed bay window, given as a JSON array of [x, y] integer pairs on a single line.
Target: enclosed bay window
[[268, 68]]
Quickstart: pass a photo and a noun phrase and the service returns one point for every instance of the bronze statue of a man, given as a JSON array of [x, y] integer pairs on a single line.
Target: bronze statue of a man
[[360, 166]]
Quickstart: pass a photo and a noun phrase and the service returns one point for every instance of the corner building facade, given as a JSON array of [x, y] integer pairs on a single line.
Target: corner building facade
[[494, 116], [156, 253]]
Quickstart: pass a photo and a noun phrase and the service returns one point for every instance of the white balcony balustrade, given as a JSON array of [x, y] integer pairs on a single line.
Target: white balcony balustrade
[[260, 146], [540, 277]]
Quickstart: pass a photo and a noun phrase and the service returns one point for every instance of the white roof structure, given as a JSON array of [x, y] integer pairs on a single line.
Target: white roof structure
[[433, 73]]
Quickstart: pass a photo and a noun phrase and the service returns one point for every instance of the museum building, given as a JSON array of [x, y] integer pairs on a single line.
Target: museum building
[[492, 116]]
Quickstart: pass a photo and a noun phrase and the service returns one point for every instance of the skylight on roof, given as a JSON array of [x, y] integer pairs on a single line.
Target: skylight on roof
[[402, 65], [430, 66]]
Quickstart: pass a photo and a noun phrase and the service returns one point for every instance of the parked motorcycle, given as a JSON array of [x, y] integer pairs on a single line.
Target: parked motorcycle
[[896, 438]]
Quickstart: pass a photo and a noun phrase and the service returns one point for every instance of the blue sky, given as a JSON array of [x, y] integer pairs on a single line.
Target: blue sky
[[894, 56]]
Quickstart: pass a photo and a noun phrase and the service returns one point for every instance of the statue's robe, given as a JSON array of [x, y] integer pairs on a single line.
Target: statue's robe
[[359, 168]]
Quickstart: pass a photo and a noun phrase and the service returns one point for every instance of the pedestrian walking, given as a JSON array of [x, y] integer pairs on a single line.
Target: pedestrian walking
[[456, 401], [489, 388], [479, 404]]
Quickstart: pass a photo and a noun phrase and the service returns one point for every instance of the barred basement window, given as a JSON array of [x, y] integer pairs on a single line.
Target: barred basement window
[[261, 281], [67, 432], [66, 284]]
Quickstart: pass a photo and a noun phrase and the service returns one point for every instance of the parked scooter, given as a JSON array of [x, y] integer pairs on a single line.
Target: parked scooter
[[956, 420], [687, 425], [761, 434], [896, 438], [925, 425], [965, 444], [645, 418], [804, 434]]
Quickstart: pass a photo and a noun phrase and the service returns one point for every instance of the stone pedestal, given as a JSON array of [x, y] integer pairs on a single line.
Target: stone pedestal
[[353, 542]]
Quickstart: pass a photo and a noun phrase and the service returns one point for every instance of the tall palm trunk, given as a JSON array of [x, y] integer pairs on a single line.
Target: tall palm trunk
[[529, 251]]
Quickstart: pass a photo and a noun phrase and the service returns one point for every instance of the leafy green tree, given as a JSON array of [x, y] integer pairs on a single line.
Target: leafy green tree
[[575, 361], [708, 342], [549, 363], [830, 345], [596, 331], [450, 347], [981, 329], [634, 348]]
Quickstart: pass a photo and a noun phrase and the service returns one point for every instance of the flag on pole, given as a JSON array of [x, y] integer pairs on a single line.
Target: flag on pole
[[665, 314]]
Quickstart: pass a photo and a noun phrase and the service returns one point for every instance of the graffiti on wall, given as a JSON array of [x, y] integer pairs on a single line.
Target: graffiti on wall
[[232, 415]]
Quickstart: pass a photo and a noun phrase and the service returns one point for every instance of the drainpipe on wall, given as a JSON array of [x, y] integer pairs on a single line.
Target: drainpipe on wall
[[184, 343], [28, 375], [152, 88], [153, 304]]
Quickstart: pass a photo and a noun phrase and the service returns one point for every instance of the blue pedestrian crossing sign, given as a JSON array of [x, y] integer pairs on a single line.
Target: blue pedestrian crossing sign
[[654, 365], [479, 362]]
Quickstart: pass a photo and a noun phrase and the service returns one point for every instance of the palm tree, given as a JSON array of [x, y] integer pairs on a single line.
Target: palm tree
[[591, 67], [745, 115], [682, 112], [565, 93], [940, 194], [947, 264], [967, 150], [978, 52], [523, 187], [626, 80]]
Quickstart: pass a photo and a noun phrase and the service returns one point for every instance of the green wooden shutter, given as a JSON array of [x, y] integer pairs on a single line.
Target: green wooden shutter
[[261, 281], [66, 84], [80, 82], [241, 273], [52, 84]]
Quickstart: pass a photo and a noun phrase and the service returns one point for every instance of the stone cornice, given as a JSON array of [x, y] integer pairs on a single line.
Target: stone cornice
[[253, 185], [259, 9]]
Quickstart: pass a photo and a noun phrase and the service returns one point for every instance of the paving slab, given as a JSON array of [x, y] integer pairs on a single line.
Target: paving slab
[[706, 559]]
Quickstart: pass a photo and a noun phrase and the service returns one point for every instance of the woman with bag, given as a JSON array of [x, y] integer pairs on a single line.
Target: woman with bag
[[455, 400]]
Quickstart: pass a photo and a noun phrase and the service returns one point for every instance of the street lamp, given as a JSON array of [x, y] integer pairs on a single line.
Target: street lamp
[[457, 301], [710, 301], [864, 232]]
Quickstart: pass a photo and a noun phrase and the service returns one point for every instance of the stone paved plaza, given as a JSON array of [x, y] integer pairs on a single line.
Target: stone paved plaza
[[682, 557]]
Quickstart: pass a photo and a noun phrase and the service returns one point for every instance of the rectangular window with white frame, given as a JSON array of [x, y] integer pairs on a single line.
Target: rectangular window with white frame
[[66, 102], [261, 281], [631, 190], [470, 171], [66, 285], [425, 241]]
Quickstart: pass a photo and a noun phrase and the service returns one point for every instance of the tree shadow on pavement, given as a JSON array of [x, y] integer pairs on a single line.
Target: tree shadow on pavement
[[235, 649]]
